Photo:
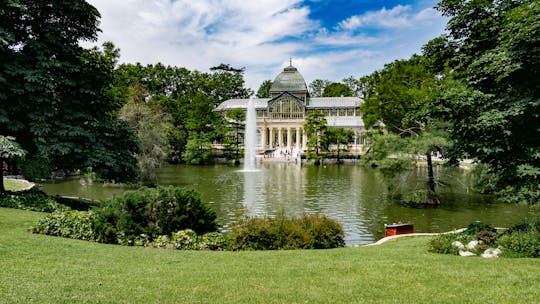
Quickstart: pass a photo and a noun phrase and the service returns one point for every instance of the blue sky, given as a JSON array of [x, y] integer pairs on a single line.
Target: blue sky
[[327, 39]]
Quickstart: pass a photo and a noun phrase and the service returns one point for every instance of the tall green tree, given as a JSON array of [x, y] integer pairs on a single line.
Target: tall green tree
[[55, 95], [337, 89], [316, 87], [10, 151], [492, 96], [264, 89], [315, 127], [404, 99], [340, 137], [152, 126]]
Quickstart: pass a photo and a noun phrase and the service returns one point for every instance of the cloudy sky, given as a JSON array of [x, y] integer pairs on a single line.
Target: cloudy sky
[[327, 39]]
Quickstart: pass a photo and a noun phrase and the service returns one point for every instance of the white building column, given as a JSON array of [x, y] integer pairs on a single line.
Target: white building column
[[263, 137], [289, 137], [271, 141], [280, 137], [304, 140], [298, 138]]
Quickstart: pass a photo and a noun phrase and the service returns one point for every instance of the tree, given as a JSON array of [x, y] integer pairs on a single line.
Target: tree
[[314, 128], [55, 94], [237, 119], [340, 137], [264, 89], [337, 89], [492, 96], [404, 100], [316, 87], [10, 150], [152, 126]]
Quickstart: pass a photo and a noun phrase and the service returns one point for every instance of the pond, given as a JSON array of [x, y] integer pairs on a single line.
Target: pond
[[355, 196]]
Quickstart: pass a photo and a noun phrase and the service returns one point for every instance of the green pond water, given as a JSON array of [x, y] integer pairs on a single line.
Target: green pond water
[[355, 196]]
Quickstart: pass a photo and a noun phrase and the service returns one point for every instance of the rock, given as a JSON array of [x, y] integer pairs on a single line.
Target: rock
[[466, 253], [491, 253], [458, 244], [472, 245]]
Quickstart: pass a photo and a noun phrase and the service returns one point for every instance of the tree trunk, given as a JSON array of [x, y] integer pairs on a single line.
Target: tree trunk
[[432, 198], [2, 188], [431, 177]]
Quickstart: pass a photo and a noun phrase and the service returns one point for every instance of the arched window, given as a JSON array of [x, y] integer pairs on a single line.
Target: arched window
[[286, 107]]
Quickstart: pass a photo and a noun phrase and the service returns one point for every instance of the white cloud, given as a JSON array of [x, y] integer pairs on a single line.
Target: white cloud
[[398, 16], [258, 35]]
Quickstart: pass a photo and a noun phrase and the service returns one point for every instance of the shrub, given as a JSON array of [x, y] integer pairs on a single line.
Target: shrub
[[152, 212], [476, 227], [67, 223], [443, 244], [305, 232], [33, 199], [487, 237], [521, 244]]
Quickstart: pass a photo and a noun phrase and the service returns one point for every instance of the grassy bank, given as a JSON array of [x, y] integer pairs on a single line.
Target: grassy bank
[[43, 269], [15, 185]]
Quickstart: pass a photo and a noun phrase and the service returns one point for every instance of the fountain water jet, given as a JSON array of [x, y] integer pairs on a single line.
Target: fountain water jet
[[250, 137]]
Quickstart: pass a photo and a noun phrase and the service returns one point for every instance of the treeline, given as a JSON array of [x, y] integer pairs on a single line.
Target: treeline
[[73, 109]]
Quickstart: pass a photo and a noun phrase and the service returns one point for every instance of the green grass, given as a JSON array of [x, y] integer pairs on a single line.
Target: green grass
[[43, 269], [15, 185]]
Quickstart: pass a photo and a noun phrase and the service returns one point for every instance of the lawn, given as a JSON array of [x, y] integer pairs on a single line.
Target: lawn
[[43, 269], [15, 185]]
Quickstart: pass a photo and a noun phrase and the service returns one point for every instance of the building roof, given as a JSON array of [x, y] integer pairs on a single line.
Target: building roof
[[289, 80], [334, 102], [230, 104], [314, 103]]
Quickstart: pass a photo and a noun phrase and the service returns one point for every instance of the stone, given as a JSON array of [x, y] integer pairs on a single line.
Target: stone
[[458, 244], [466, 253], [472, 245]]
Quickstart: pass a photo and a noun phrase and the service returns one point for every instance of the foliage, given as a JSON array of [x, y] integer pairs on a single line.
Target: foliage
[[188, 239], [189, 97], [336, 89], [152, 127], [521, 244], [316, 87], [236, 119], [264, 89], [477, 227], [492, 95], [339, 137], [305, 232], [443, 243], [153, 212], [67, 223], [33, 199], [314, 128], [55, 96], [10, 150], [522, 240]]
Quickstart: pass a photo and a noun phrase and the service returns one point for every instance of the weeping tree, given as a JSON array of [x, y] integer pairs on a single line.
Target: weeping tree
[[10, 150]]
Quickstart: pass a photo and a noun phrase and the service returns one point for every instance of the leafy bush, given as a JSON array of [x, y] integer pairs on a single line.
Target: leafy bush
[[152, 212], [443, 242], [33, 199], [67, 223], [305, 232], [521, 244], [476, 227], [187, 239], [487, 237]]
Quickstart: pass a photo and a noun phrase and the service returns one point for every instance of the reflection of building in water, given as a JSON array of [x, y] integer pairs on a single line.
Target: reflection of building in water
[[280, 119]]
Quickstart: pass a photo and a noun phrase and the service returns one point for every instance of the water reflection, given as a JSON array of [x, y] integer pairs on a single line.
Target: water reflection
[[355, 196]]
